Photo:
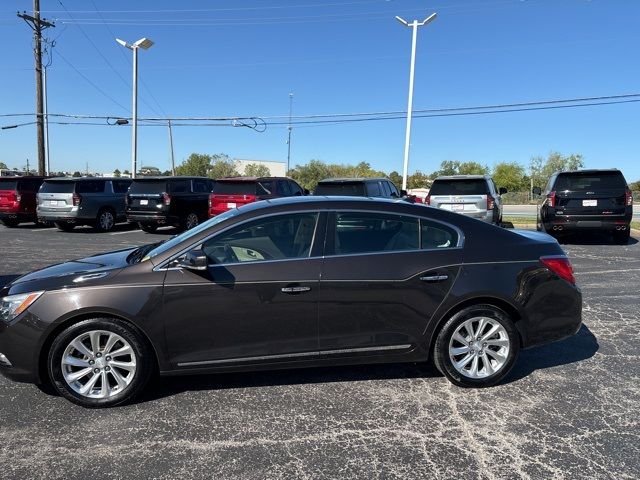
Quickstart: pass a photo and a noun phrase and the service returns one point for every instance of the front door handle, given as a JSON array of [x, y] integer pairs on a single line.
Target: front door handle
[[434, 278], [295, 289]]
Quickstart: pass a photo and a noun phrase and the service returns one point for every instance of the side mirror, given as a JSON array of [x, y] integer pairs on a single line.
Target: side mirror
[[193, 260], [503, 190], [307, 192], [403, 193], [536, 191]]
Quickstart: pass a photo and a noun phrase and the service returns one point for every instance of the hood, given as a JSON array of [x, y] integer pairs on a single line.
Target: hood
[[64, 274]]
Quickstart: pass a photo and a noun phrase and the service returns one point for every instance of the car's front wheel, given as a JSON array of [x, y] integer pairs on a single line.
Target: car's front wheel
[[99, 362], [477, 346], [105, 221]]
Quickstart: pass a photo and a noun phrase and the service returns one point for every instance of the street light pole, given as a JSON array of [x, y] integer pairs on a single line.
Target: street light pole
[[414, 26], [173, 163], [145, 44], [289, 128]]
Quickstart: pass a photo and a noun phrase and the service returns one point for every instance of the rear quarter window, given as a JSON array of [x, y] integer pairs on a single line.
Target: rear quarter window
[[434, 235], [90, 186]]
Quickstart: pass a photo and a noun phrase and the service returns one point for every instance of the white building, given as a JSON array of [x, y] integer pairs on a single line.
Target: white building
[[276, 168]]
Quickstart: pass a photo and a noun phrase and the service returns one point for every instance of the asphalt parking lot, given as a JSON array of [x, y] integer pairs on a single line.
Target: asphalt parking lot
[[568, 410]]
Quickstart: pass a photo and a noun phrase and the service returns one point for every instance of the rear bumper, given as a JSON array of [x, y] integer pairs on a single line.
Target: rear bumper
[[591, 222], [19, 216], [484, 215], [75, 215]]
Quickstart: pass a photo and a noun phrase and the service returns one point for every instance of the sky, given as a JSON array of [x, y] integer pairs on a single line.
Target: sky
[[227, 58]]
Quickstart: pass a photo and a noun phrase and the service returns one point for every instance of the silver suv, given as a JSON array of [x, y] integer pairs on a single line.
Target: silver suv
[[473, 195], [68, 202]]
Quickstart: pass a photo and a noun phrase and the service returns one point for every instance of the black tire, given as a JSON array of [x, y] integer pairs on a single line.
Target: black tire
[[444, 362], [189, 221], [144, 361], [64, 226], [105, 221], [10, 222], [148, 227], [621, 237]]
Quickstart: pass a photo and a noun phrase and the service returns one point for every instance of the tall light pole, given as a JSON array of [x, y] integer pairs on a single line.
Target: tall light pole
[[173, 162], [145, 44], [289, 139], [414, 25]]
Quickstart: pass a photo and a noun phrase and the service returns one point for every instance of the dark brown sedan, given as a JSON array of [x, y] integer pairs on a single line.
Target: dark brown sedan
[[293, 282]]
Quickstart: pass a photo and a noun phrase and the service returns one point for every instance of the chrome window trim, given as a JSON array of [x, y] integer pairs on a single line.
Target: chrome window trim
[[460, 244], [316, 353]]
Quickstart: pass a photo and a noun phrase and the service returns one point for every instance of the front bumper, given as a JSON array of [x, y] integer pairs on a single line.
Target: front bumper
[[20, 344]]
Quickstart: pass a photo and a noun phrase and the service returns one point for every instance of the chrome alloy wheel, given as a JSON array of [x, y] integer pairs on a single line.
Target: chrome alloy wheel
[[192, 221], [479, 347], [106, 220], [98, 364]]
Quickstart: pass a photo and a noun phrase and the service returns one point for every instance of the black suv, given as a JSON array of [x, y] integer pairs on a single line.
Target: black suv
[[587, 200], [178, 201], [359, 187]]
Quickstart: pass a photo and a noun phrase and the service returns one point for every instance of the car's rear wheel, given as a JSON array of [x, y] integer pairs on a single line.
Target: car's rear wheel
[[10, 222], [99, 362], [477, 346], [621, 237], [190, 221], [64, 226], [105, 221], [148, 227]]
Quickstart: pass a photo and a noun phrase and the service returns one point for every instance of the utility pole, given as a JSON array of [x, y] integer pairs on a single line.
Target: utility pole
[[46, 120], [414, 25], [38, 24], [173, 163], [289, 139]]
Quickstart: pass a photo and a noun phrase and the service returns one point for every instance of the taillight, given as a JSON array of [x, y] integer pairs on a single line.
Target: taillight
[[18, 197], [250, 198], [561, 266], [76, 199], [210, 200], [551, 199], [628, 198], [166, 199], [491, 202], [427, 200]]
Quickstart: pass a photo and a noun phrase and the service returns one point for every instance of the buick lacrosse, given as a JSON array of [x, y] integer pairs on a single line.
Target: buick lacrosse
[[293, 282]]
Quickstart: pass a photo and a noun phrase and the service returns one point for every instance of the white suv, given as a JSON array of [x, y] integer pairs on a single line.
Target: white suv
[[473, 195]]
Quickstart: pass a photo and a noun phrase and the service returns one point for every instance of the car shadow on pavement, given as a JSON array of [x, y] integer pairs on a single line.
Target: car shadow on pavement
[[581, 346], [588, 238]]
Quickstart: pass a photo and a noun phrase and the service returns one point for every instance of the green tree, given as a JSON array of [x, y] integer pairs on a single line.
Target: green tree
[[542, 169], [196, 164], [116, 173], [126, 173], [396, 178], [455, 167], [418, 180], [149, 171], [76, 174], [511, 175], [635, 186], [257, 170], [222, 166], [3, 165]]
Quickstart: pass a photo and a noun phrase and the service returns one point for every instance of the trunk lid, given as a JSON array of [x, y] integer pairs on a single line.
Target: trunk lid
[[147, 195], [56, 196], [228, 194]]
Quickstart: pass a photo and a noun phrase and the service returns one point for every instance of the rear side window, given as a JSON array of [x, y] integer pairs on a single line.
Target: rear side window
[[357, 232], [265, 187], [57, 187], [434, 235], [590, 181], [120, 186], [180, 186], [200, 185], [148, 186], [353, 189], [283, 188], [90, 186], [374, 189], [459, 187], [8, 184]]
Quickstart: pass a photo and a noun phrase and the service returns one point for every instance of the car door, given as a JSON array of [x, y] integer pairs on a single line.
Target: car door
[[383, 277], [256, 301]]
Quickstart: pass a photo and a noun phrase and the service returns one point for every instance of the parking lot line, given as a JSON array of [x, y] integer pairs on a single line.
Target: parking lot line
[[125, 231], [608, 271]]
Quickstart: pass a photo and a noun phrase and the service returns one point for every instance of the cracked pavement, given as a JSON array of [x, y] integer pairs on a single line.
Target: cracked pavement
[[567, 410]]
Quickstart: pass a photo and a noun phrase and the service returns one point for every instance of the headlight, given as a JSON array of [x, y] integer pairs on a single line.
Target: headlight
[[14, 305]]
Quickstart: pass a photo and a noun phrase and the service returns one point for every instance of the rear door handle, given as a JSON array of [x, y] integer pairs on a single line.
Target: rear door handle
[[434, 278], [295, 289]]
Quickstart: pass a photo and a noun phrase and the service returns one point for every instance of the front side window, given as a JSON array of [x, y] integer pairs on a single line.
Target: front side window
[[357, 232], [278, 237]]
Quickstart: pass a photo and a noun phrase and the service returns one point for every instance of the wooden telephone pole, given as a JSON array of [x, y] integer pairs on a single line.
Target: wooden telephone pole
[[38, 24]]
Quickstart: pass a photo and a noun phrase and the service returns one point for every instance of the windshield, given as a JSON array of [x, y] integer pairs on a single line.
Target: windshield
[[353, 189], [459, 187], [148, 186], [169, 244], [590, 181], [57, 187], [8, 184]]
